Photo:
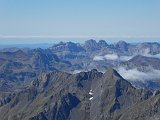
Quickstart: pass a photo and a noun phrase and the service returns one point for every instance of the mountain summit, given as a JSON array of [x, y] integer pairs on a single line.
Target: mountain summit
[[86, 95]]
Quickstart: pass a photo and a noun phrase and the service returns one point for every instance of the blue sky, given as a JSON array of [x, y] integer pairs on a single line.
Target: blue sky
[[79, 19]]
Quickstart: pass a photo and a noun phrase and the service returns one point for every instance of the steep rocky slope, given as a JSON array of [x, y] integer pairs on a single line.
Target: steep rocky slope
[[83, 96]]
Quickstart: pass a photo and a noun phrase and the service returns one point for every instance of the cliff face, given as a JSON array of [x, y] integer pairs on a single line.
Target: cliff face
[[87, 95]]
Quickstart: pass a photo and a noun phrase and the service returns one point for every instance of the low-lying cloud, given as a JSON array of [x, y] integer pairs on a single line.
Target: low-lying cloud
[[77, 71], [146, 52], [115, 57], [106, 57], [136, 75], [98, 58], [112, 57], [125, 58]]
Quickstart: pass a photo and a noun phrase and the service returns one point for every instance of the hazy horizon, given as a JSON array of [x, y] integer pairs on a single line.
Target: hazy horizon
[[46, 42], [12, 41]]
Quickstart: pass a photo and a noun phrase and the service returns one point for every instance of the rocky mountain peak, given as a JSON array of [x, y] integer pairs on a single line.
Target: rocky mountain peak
[[68, 46], [91, 45], [122, 45], [111, 73], [88, 75], [101, 96], [102, 43]]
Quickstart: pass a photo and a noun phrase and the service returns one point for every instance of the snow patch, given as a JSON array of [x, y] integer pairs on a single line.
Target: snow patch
[[90, 98], [90, 92]]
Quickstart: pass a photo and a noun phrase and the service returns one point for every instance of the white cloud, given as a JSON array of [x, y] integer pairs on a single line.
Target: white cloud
[[125, 58], [98, 58], [77, 71], [157, 55], [114, 56], [106, 57], [154, 56], [111, 57], [135, 75], [146, 53]]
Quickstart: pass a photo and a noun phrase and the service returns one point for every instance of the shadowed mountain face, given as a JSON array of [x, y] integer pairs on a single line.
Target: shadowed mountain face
[[21, 67], [86, 95]]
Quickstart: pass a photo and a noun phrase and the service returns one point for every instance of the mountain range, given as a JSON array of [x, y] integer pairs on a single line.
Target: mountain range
[[82, 96], [73, 81]]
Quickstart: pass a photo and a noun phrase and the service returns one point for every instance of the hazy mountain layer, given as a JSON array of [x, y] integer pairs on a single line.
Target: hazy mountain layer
[[20, 66], [62, 83]]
